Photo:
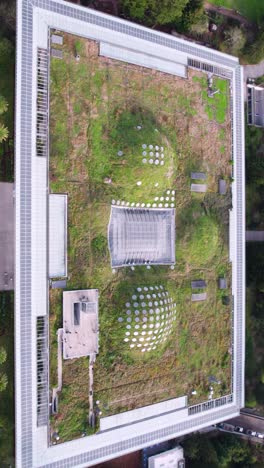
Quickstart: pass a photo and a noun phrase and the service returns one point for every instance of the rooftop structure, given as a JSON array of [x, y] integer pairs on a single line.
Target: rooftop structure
[[80, 323], [57, 235], [141, 236], [255, 105], [34, 20]]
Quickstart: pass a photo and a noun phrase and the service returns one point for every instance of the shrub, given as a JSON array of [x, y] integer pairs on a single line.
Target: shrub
[[3, 382], [3, 355], [99, 245]]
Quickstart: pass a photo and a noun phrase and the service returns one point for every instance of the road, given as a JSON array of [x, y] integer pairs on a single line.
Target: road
[[254, 71], [248, 422]]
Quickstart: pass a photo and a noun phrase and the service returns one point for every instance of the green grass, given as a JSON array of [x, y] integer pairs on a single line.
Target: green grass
[[95, 114], [201, 241], [216, 107], [252, 9]]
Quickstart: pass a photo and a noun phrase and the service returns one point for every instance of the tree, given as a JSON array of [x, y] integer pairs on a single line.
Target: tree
[[193, 14], [3, 382], [255, 53], [235, 40], [3, 133], [3, 105], [152, 12], [3, 355]]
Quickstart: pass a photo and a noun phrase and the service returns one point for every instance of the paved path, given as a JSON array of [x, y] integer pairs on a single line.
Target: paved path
[[255, 236], [91, 408], [254, 71], [6, 236], [59, 370]]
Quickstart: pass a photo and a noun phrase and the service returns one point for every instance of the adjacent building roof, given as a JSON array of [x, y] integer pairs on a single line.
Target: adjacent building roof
[[255, 101], [80, 323], [173, 458], [141, 236]]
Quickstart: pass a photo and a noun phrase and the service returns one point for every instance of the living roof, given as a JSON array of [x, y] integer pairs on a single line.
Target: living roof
[[31, 233], [100, 156]]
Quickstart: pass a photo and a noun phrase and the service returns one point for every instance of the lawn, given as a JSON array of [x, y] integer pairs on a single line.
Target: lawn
[[252, 9], [105, 115]]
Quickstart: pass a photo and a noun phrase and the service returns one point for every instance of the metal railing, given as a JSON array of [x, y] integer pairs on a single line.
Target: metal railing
[[42, 371], [210, 404], [209, 68], [42, 103]]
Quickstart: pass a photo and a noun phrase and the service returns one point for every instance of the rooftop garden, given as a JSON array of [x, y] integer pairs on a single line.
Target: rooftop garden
[[130, 136]]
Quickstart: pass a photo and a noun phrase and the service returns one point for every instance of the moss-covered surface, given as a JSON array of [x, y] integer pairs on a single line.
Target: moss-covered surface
[[100, 107]]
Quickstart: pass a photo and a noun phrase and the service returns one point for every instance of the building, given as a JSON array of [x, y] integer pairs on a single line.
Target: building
[[255, 105], [173, 458], [134, 44]]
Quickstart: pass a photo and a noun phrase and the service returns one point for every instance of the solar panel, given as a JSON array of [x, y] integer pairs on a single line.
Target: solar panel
[[199, 297], [200, 188]]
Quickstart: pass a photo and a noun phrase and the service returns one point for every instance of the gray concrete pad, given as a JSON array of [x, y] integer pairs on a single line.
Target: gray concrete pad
[[80, 323], [6, 236]]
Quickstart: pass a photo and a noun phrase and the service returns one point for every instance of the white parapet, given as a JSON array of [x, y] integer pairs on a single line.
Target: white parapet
[[150, 411], [57, 235], [143, 59]]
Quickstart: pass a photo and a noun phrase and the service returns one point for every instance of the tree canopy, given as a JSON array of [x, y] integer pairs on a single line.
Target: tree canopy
[[153, 12], [223, 451]]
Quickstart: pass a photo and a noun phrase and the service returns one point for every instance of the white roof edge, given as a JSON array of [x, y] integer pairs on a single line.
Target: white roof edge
[[144, 28]]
